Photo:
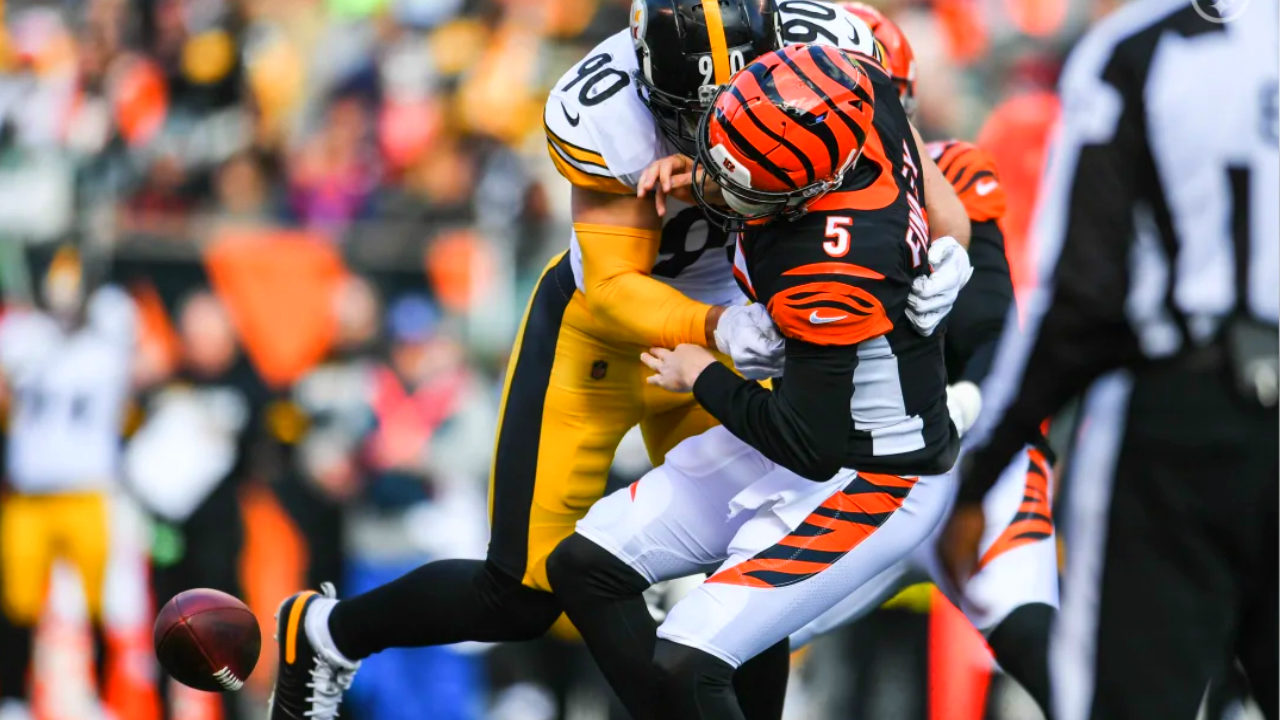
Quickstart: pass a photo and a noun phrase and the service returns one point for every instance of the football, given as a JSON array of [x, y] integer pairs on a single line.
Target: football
[[207, 640]]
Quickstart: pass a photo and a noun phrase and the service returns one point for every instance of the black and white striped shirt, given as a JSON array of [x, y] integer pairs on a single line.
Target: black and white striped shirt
[[1164, 172]]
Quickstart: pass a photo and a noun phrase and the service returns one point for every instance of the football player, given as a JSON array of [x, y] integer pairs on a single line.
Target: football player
[[1013, 596], [820, 169], [631, 279]]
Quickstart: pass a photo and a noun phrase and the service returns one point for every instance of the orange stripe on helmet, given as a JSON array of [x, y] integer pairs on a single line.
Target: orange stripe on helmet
[[859, 112], [792, 154], [899, 58], [798, 92]]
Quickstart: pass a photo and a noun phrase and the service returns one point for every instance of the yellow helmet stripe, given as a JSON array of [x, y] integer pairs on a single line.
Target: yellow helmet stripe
[[719, 46]]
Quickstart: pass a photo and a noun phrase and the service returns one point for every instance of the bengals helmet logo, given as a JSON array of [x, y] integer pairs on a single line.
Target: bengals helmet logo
[[728, 164]]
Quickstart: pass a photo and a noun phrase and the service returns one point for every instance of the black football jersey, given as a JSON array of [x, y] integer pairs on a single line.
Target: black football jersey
[[835, 282]]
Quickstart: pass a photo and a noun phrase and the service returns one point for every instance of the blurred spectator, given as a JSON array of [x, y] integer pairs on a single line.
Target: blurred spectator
[[64, 370], [335, 399], [242, 191], [333, 175], [203, 436], [427, 456], [430, 420], [437, 187], [162, 202]]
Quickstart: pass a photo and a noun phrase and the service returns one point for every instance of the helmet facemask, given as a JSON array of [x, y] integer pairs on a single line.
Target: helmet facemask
[[743, 204], [676, 115]]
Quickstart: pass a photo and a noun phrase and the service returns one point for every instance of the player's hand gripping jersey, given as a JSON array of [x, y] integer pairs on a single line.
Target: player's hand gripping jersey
[[602, 136]]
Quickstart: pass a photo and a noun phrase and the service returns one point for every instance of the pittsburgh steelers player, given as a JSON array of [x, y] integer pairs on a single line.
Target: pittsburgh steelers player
[[631, 279]]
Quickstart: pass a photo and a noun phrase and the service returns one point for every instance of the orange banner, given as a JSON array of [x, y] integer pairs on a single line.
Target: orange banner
[[279, 287]]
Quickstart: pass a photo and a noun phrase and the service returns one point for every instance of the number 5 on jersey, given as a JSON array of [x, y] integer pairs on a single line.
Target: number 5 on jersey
[[838, 231]]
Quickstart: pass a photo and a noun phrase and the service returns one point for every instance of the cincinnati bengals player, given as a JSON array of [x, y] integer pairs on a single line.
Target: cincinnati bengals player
[[630, 279], [810, 149], [1013, 596]]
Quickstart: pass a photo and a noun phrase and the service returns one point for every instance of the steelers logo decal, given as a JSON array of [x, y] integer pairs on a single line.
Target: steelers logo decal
[[639, 21]]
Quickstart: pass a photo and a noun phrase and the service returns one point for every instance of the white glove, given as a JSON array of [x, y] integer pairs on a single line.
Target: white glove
[[964, 402], [748, 336], [933, 295]]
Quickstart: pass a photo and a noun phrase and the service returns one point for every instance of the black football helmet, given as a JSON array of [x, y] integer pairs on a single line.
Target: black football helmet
[[687, 49]]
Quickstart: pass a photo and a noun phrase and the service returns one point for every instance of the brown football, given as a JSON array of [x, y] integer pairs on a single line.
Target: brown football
[[207, 639]]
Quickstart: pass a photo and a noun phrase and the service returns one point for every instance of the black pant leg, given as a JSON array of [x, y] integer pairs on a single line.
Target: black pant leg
[[442, 602], [1020, 644], [1181, 552], [694, 685], [603, 596], [761, 683], [1258, 634]]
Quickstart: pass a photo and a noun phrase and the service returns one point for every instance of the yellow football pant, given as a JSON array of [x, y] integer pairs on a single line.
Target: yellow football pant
[[35, 530], [569, 398]]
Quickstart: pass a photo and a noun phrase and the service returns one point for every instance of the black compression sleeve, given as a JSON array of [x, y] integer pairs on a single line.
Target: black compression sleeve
[[804, 424], [977, 318]]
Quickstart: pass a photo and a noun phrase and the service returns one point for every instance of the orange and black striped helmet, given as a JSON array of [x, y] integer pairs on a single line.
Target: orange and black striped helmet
[[784, 132], [899, 58]]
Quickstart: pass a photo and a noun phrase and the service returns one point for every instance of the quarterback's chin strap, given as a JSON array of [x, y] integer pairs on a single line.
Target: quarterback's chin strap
[[625, 300]]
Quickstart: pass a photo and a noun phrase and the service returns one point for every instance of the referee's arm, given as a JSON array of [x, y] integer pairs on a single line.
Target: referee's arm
[[1076, 327]]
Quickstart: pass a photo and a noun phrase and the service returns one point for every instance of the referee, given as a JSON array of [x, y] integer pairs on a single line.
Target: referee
[[1158, 236]]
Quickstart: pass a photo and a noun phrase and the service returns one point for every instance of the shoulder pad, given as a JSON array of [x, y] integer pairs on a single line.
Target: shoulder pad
[[828, 312], [972, 172], [807, 22], [599, 133]]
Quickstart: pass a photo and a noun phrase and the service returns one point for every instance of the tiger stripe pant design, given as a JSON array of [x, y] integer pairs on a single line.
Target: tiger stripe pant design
[[782, 549]]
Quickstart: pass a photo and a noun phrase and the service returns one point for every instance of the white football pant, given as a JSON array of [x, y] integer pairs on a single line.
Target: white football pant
[[783, 549], [1019, 561]]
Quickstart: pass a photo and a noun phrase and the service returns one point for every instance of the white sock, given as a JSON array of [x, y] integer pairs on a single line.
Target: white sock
[[316, 624]]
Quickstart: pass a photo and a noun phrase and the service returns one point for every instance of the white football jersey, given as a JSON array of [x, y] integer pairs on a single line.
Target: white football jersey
[[69, 392], [601, 136]]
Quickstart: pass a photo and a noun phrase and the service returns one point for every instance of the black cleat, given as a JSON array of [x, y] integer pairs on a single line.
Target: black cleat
[[310, 681]]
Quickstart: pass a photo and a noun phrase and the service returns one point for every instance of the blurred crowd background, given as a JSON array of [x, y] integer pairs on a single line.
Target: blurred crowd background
[[304, 230]]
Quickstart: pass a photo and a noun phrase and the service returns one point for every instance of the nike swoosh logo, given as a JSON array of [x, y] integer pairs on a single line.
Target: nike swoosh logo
[[985, 187], [816, 319], [573, 119], [854, 38]]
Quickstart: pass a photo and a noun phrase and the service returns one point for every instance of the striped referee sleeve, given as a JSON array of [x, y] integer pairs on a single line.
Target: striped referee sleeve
[[1075, 322]]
